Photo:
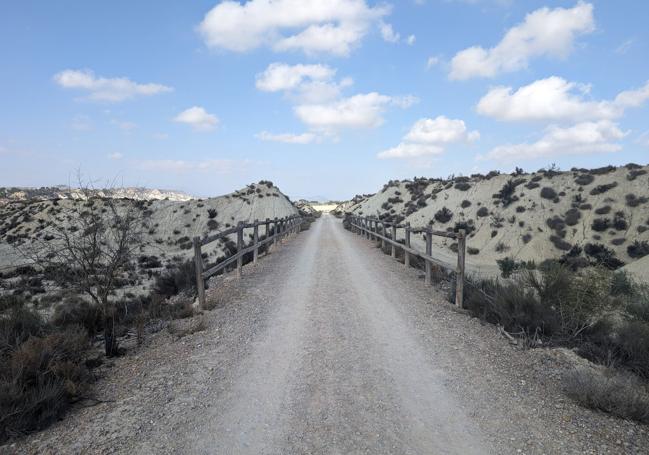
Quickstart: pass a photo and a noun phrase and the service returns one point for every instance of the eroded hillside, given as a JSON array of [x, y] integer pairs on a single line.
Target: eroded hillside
[[167, 230], [597, 214]]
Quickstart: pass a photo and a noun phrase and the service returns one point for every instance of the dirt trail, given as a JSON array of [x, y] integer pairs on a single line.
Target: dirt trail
[[330, 347]]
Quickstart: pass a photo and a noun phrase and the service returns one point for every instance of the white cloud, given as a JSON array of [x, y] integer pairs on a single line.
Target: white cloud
[[311, 26], [633, 98], [282, 77], [304, 83], [547, 99], [198, 118], [358, 111], [388, 34], [304, 138], [432, 61], [556, 99], [411, 40], [429, 137], [160, 136], [318, 100], [544, 32], [106, 89], [411, 150], [221, 166], [580, 139], [116, 156]]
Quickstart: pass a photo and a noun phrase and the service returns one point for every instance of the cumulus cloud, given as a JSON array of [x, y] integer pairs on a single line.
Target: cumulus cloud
[[281, 77], [287, 138], [358, 111], [582, 138], [411, 40], [318, 100], [430, 137], [106, 89], [633, 98], [547, 99], [304, 83], [311, 26], [544, 32], [198, 118], [555, 99]]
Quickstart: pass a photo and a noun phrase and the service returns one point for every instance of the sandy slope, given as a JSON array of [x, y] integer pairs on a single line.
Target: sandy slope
[[170, 225], [520, 229], [330, 347]]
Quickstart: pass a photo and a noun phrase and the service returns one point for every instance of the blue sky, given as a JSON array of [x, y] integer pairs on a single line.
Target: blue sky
[[325, 98]]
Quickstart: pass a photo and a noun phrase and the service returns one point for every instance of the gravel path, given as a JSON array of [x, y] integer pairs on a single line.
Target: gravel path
[[330, 347]]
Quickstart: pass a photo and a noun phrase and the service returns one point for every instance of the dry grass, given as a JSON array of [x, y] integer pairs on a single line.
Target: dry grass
[[618, 393]]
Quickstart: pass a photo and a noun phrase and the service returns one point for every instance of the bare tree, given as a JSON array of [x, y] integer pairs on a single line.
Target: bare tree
[[93, 249]]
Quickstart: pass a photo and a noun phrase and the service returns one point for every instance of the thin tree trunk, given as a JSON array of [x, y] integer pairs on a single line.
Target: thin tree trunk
[[110, 344]]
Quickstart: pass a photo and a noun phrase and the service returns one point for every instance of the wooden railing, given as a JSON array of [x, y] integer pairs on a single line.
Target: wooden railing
[[377, 230], [281, 228]]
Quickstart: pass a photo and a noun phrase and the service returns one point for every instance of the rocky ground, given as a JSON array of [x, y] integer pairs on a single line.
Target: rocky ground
[[328, 346]]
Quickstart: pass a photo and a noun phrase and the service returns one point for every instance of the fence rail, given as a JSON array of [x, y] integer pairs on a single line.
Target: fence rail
[[377, 230], [281, 227]]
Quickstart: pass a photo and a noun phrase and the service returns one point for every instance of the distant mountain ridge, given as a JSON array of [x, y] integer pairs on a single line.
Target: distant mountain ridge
[[64, 192]]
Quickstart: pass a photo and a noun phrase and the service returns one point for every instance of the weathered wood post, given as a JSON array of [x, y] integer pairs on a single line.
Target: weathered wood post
[[384, 233], [198, 261], [461, 255], [406, 259], [394, 239], [429, 252], [275, 232], [239, 248], [255, 241]]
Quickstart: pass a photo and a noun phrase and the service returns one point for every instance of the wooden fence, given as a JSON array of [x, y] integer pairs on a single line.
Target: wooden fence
[[377, 230], [281, 228]]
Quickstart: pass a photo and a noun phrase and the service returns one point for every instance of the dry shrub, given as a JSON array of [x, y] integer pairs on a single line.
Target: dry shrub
[[618, 393], [39, 379], [17, 326], [74, 310], [195, 326]]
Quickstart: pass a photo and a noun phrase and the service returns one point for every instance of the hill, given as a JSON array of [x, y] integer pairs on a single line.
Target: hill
[[590, 214], [166, 238]]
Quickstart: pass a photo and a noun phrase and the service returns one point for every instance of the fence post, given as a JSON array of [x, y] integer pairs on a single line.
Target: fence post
[[429, 252], [394, 239], [461, 255], [239, 248], [255, 240], [198, 261], [384, 233], [275, 231], [406, 259]]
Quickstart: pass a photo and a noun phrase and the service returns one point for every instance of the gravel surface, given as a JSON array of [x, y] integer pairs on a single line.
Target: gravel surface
[[327, 346]]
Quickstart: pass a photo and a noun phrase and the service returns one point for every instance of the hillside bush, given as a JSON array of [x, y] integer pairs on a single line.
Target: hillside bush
[[638, 249], [443, 215], [601, 189], [548, 193]]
